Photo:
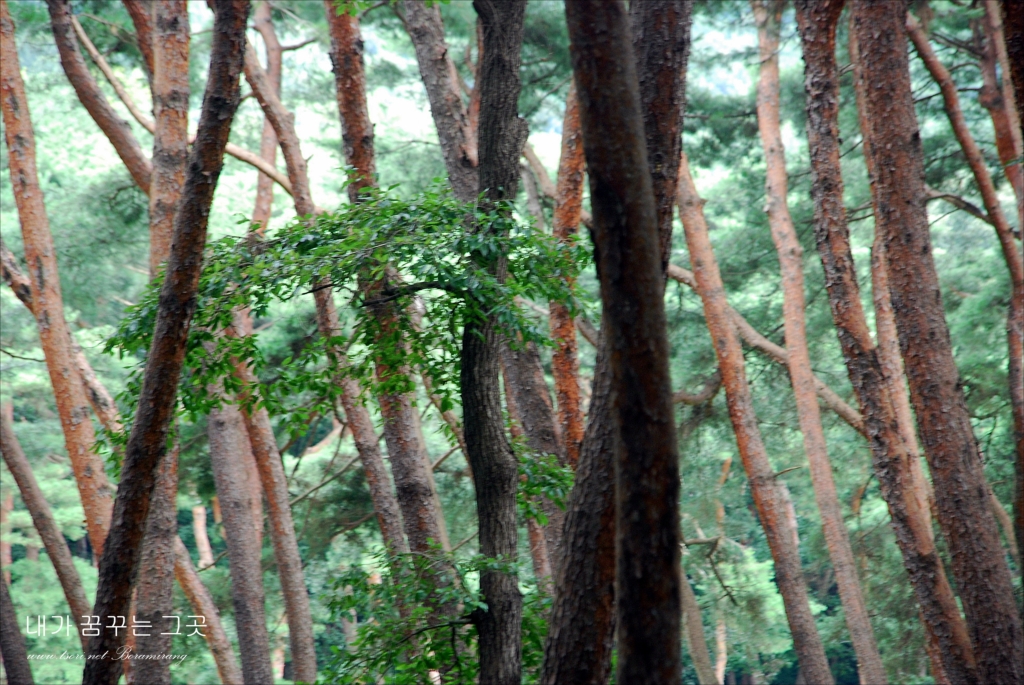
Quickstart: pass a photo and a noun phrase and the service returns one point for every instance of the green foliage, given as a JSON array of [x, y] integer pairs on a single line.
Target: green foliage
[[540, 475]]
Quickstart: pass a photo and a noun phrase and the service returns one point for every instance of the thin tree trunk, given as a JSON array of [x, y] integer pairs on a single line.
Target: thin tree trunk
[[227, 434], [694, 635], [721, 655], [116, 129], [766, 494], [141, 13], [768, 16], [892, 139], [147, 441], [626, 237], [12, 644], [42, 517], [268, 139], [893, 458], [201, 536], [495, 473], [1010, 247], [44, 286], [437, 70], [999, 101], [199, 597], [565, 365], [6, 506]]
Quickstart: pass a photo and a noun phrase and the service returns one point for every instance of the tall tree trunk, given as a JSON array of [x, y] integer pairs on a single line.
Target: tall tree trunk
[[113, 126], [626, 237], [147, 442], [154, 594], [768, 16], [437, 70], [142, 18], [1010, 246], [42, 517], [12, 644], [6, 506], [495, 473], [892, 453], [201, 536], [766, 494], [999, 101], [892, 139], [694, 635], [268, 139], [565, 365], [44, 286], [227, 433]]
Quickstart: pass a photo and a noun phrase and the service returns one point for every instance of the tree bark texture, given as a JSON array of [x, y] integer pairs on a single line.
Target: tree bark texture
[[998, 99], [12, 644], [565, 365], [893, 458], [437, 70], [893, 141], [628, 257], [227, 432], [116, 129], [44, 288], [1004, 232], [201, 535], [578, 648], [661, 43], [147, 442], [42, 518], [268, 138], [768, 16], [495, 472], [694, 635], [767, 496], [142, 13]]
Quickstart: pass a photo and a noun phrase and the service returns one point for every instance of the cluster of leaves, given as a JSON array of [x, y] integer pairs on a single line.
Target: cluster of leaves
[[413, 622], [540, 476], [415, 272]]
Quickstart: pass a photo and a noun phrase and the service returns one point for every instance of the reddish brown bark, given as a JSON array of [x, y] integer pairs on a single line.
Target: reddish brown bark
[[565, 366], [892, 139], [998, 99], [1010, 247], [142, 13], [268, 139], [12, 644], [113, 126], [768, 16], [42, 517], [766, 494], [626, 237], [227, 434], [44, 286], [147, 442], [441, 81], [893, 458]]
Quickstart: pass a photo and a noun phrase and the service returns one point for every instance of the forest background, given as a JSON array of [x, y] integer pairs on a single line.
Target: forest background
[[99, 222]]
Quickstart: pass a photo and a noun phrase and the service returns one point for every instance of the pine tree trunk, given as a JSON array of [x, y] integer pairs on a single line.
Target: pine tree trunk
[[227, 433], [767, 496], [892, 139], [768, 16], [42, 517], [45, 290], [12, 644], [998, 99], [694, 635], [628, 255], [142, 18], [147, 442], [201, 536], [268, 139]]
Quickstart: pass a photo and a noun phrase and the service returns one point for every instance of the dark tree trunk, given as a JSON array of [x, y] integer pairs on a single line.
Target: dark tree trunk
[[147, 442], [12, 644], [893, 141], [892, 456], [633, 317], [488, 451], [227, 433]]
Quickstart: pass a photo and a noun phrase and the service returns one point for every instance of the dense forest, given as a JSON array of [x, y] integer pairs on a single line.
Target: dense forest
[[512, 341]]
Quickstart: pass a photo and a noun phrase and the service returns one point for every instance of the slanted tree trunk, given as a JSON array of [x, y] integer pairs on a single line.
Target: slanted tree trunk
[[495, 473], [113, 126], [767, 496], [142, 18], [227, 433], [768, 16], [154, 594], [893, 140], [565, 365], [147, 442], [628, 255], [999, 101], [694, 635], [42, 517], [12, 644], [892, 453], [268, 139], [44, 287]]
